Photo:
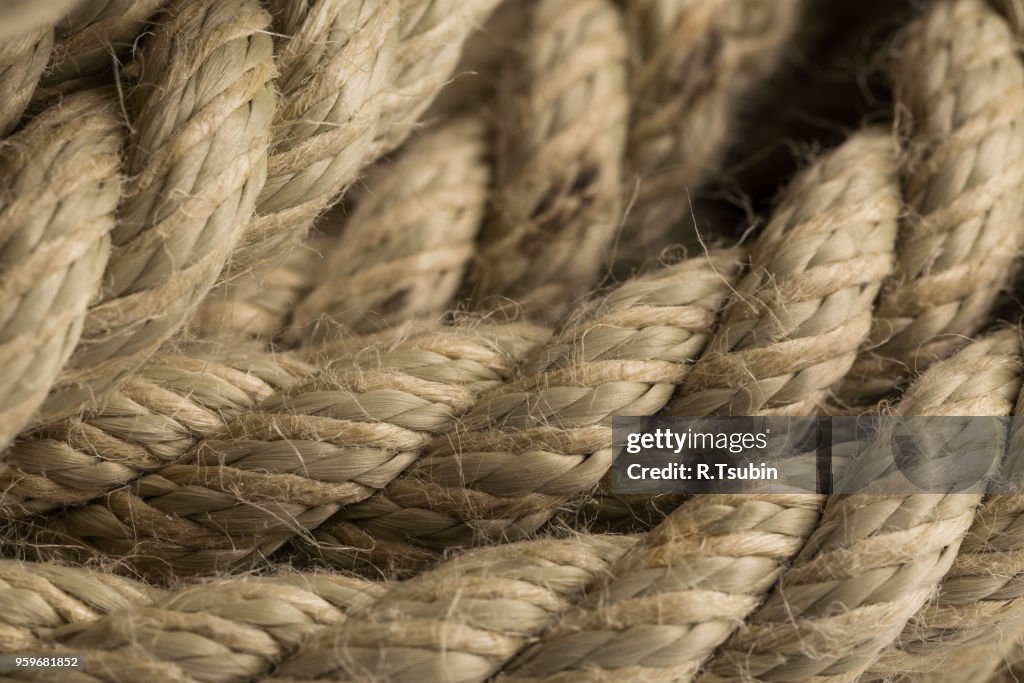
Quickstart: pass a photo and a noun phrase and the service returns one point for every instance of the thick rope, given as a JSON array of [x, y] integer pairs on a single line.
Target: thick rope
[[256, 304], [60, 186], [200, 118], [403, 252], [38, 599], [677, 595], [534, 443], [26, 42], [695, 65], [461, 621], [333, 439], [94, 37], [559, 160], [875, 558], [806, 301], [960, 85], [154, 419], [796, 321], [980, 602]]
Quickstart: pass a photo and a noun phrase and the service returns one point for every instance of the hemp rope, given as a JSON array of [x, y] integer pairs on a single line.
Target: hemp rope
[[461, 621], [813, 276], [256, 304], [154, 419], [332, 439], [559, 165], [402, 254], [875, 559], [59, 186], [532, 444], [94, 35], [795, 322], [960, 83], [695, 63], [197, 159], [678, 594], [38, 599]]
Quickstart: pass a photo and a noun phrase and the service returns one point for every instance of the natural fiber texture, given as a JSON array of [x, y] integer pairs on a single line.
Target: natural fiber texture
[[59, 186], [333, 439], [875, 558], [431, 36], [960, 86], [980, 602], [695, 63], [225, 631], [38, 599], [18, 17], [460, 622], [335, 65], [795, 322], [157, 417], [258, 303], [402, 254], [23, 58], [534, 443], [559, 160], [197, 160], [93, 37], [677, 595]]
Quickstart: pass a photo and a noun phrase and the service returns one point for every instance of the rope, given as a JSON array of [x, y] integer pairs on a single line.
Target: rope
[[559, 160], [60, 188], [153, 420], [962, 174], [402, 254], [531, 445], [332, 439], [874, 559], [795, 322], [196, 161], [695, 64]]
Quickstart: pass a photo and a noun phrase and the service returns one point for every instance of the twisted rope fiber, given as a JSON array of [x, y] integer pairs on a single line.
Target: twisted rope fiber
[[875, 559], [814, 272], [153, 420], [92, 38], [356, 74], [559, 160], [60, 188], [695, 63], [331, 439], [796, 321], [403, 252], [201, 116], [222, 631], [539, 440], [256, 304], [37, 599], [961, 84]]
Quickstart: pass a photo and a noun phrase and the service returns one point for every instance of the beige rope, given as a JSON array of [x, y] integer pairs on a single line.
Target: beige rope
[[403, 252], [695, 64], [59, 186], [334, 438], [960, 85], [460, 622], [559, 160], [154, 419], [256, 303], [797, 319], [534, 443], [675, 596], [875, 558], [93, 37], [197, 159]]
